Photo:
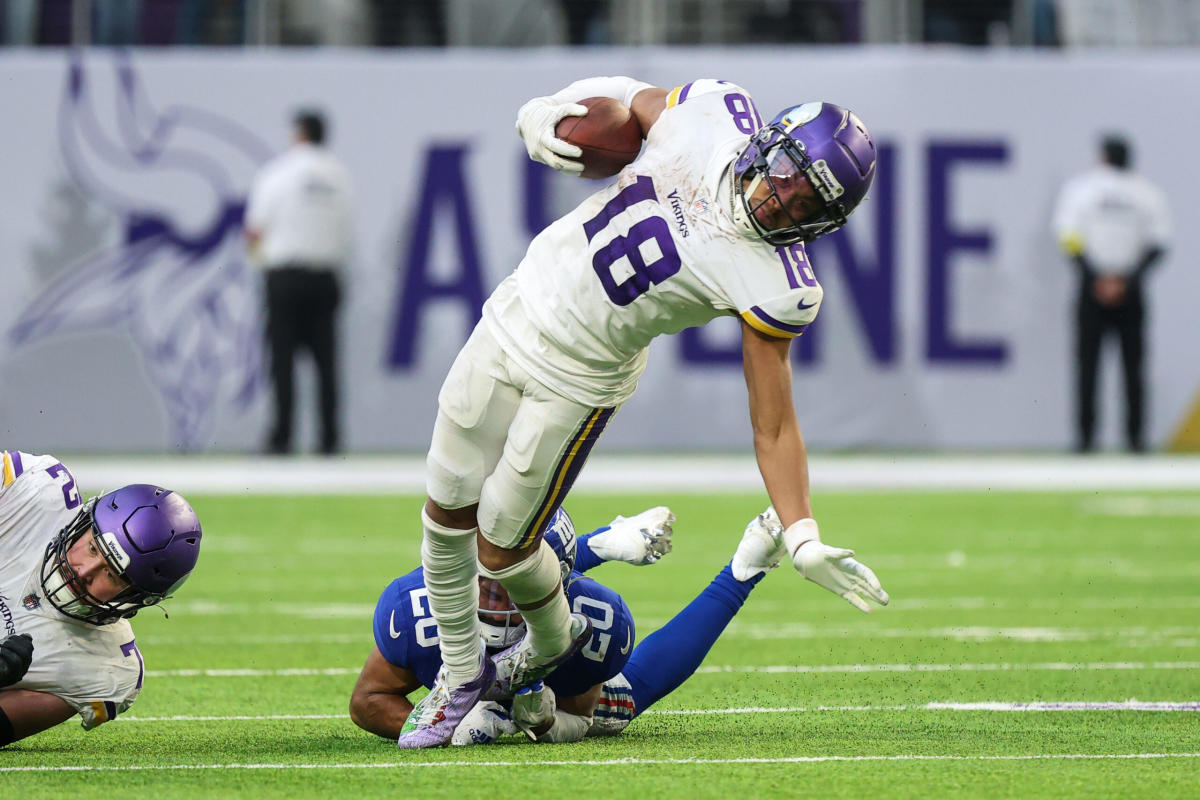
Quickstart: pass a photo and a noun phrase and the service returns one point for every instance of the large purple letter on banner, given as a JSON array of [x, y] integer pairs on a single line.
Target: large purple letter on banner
[[944, 242], [444, 186], [872, 285]]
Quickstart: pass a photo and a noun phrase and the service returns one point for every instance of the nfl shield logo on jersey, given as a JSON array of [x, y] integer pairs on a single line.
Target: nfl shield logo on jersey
[[31, 602]]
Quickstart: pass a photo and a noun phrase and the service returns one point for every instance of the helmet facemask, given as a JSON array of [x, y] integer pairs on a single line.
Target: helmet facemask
[[817, 155], [781, 163], [65, 590], [499, 620]]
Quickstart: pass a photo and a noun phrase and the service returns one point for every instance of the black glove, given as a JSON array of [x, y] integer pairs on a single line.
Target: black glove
[[16, 654]]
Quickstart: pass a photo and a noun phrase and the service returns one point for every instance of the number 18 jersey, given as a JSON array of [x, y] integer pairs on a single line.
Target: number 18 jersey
[[654, 252]]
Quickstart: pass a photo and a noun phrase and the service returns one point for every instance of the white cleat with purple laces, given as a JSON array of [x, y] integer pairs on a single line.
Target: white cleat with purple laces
[[435, 716]]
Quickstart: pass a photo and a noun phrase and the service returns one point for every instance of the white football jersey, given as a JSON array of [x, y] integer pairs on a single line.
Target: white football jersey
[[654, 252], [96, 669], [1113, 216]]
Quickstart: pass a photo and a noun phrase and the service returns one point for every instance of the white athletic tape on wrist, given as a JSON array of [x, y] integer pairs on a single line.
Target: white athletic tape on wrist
[[798, 533]]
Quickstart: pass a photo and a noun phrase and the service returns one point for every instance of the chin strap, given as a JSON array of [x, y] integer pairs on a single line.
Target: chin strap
[[727, 196]]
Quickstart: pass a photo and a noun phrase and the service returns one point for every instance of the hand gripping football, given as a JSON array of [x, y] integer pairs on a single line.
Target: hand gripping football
[[608, 134]]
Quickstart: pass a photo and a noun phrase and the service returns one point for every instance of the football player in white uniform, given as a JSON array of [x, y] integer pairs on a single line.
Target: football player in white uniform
[[71, 574], [710, 219]]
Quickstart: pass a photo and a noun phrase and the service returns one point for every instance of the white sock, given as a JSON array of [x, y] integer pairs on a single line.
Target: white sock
[[529, 581], [449, 556]]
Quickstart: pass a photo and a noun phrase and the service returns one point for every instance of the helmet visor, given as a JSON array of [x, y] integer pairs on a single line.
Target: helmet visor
[[788, 199]]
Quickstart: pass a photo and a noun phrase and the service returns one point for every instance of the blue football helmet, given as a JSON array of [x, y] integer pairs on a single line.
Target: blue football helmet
[[499, 620], [819, 143]]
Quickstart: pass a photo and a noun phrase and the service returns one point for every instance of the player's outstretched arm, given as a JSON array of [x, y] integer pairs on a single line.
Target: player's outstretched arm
[[778, 443], [379, 703], [639, 540], [24, 713]]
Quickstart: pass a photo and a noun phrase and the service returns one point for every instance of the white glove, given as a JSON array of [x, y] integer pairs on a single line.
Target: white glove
[[536, 121], [832, 567], [533, 709], [483, 724], [638, 540]]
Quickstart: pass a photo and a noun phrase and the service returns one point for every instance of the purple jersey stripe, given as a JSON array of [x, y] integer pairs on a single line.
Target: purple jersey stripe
[[684, 93], [567, 470], [16, 463], [774, 323]]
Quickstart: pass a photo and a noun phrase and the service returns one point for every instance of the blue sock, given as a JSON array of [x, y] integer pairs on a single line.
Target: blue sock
[[585, 559], [666, 658]]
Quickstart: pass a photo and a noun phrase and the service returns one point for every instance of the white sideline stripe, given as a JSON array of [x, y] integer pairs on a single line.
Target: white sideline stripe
[[1053, 666], [615, 762], [366, 474], [1123, 705], [767, 669]]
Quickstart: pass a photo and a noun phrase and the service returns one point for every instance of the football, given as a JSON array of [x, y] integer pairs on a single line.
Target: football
[[609, 136]]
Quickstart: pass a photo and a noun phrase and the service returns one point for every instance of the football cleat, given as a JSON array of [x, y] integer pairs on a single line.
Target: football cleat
[[761, 548], [519, 666], [435, 717], [639, 540]]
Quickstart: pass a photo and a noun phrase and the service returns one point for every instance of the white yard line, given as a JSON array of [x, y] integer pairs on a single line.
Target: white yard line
[[1055, 666], [1122, 705], [615, 762]]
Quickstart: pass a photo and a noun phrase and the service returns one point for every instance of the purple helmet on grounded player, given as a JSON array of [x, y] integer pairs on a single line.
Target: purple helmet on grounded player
[[825, 144], [499, 620], [150, 538]]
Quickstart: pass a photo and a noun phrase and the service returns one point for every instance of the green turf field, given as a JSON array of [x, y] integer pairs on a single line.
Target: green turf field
[[998, 599]]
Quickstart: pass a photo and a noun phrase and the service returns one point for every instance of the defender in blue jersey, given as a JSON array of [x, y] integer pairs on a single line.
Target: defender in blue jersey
[[604, 686], [407, 653]]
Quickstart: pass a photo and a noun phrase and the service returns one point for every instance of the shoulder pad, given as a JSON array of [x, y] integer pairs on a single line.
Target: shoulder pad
[[680, 94]]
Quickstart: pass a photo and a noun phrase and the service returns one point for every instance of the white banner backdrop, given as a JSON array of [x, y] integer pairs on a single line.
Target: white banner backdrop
[[131, 318]]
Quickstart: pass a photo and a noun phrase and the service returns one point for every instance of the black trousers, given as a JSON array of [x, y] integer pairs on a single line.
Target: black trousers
[[301, 314], [1094, 322]]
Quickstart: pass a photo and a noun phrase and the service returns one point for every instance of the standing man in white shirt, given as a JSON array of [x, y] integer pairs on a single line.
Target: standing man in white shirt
[[1114, 225], [299, 229]]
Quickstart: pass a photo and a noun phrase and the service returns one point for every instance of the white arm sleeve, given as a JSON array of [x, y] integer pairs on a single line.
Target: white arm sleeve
[[566, 728], [617, 87]]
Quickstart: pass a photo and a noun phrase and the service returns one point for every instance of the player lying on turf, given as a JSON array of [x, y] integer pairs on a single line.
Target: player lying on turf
[[600, 689], [71, 575], [408, 655]]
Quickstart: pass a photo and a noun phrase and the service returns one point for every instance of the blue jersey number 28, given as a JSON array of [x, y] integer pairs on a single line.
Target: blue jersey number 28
[[628, 265]]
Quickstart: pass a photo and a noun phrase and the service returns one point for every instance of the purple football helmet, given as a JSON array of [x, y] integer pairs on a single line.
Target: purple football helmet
[[824, 144], [150, 538], [497, 614]]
